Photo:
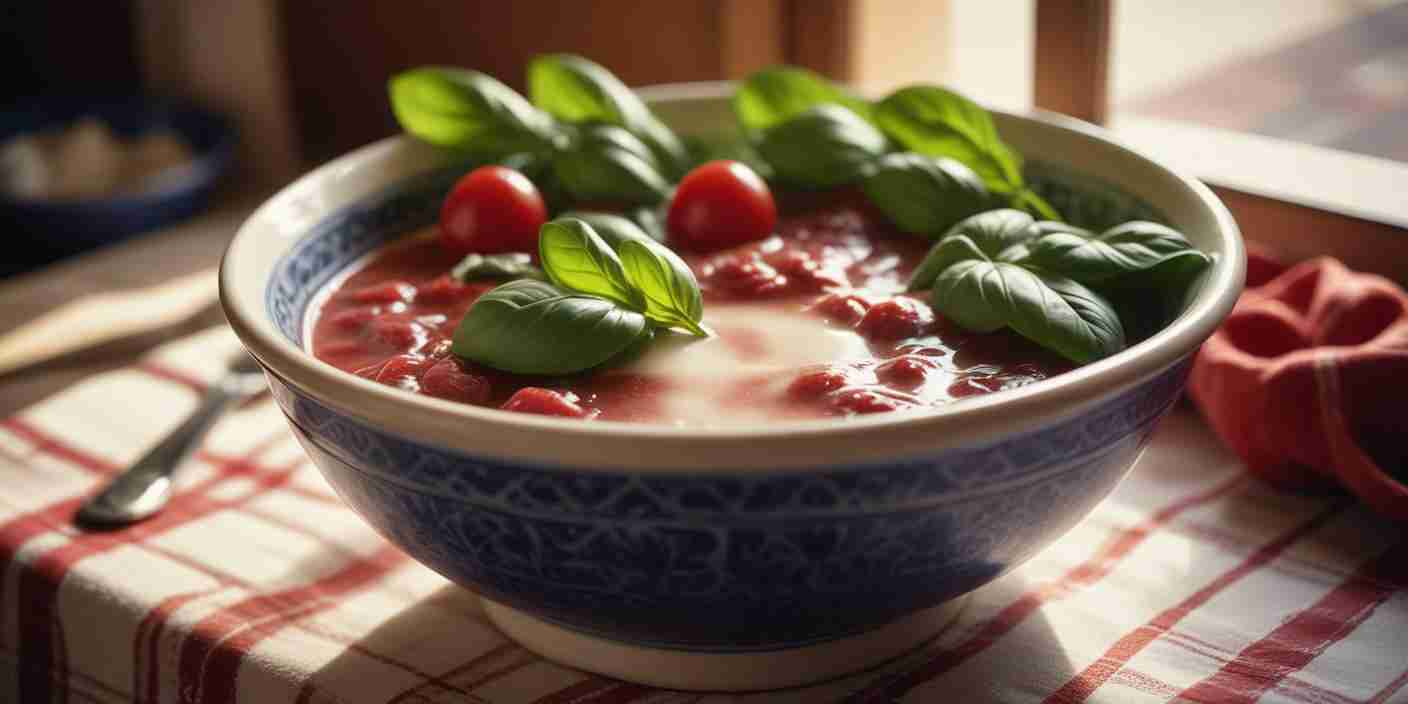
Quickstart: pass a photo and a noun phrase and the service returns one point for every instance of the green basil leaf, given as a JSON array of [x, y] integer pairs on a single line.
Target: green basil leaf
[[609, 163], [1051, 310], [1116, 252], [1157, 294], [576, 258], [777, 94], [822, 147], [576, 89], [1028, 200], [668, 285], [650, 220], [530, 327], [613, 229], [938, 122], [665, 282], [703, 150], [923, 194], [468, 110], [634, 350], [998, 235], [538, 168], [944, 254], [513, 265]]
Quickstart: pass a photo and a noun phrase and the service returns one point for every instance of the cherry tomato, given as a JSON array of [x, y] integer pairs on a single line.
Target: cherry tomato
[[719, 205], [493, 209]]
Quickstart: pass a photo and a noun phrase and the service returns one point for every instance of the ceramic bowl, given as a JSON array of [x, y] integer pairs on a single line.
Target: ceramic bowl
[[705, 558]]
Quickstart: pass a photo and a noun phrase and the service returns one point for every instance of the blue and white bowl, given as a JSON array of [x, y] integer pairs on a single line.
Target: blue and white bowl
[[708, 558]]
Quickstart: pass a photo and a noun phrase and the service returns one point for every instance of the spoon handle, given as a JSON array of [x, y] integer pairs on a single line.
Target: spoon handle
[[143, 489]]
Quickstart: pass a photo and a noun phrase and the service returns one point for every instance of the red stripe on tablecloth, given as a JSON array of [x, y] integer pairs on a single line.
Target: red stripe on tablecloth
[[1147, 684], [217, 459], [56, 517], [39, 582], [156, 617], [1291, 687], [39, 585], [46, 444], [1080, 687], [1231, 542], [1083, 575], [1390, 690], [497, 652], [597, 690], [1291, 646], [161, 371], [211, 655]]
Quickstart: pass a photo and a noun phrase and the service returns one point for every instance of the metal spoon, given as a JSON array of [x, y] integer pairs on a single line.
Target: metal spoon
[[143, 489]]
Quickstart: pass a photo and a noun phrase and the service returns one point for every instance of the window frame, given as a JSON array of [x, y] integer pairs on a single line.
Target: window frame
[[1298, 200]]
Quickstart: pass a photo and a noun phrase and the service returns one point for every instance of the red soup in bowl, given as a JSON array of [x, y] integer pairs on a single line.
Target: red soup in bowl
[[812, 321]]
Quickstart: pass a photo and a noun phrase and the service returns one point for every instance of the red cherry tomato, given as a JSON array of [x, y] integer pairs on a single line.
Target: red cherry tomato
[[719, 205], [493, 209]]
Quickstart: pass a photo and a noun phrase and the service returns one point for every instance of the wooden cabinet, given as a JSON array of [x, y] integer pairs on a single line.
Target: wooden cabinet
[[339, 54]]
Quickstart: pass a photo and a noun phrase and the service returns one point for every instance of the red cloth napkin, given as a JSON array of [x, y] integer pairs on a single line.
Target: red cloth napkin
[[1307, 380]]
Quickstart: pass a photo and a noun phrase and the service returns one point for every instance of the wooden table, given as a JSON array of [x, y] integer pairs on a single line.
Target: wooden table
[[150, 259]]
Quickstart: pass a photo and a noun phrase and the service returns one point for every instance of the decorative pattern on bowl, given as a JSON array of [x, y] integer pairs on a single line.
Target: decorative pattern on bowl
[[731, 561]]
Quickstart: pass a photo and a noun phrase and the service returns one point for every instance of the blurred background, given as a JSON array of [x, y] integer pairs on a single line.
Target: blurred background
[[283, 85]]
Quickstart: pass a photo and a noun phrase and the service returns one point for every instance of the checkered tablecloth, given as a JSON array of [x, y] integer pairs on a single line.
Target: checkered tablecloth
[[1191, 583]]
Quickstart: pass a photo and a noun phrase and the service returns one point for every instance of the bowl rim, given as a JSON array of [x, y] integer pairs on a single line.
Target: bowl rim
[[793, 444]]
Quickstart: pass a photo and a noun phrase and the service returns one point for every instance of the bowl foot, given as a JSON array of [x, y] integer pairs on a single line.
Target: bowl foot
[[715, 671]]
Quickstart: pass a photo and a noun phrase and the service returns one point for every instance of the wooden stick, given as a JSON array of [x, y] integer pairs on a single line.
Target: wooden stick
[[104, 317], [1073, 57]]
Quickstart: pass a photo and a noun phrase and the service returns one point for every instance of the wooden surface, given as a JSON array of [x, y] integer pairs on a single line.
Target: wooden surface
[[340, 55], [1296, 232], [193, 245], [1072, 57]]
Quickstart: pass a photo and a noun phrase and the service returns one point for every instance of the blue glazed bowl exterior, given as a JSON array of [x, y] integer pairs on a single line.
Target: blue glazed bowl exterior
[[717, 560], [731, 561]]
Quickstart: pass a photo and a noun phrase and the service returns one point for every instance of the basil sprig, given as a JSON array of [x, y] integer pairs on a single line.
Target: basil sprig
[[609, 163], [578, 90], [823, 146], [1054, 283], [530, 327], [588, 136], [923, 119], [606, 276], [1146, 268], [469, 111], [925, 195], [575, 257], [651, 278], [512, 265], [939, 122], [1131, 249], [981, 280], [775, 95], [614, 229]]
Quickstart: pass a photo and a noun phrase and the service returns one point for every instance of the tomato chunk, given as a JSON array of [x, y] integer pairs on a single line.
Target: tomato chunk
[[545, 402]]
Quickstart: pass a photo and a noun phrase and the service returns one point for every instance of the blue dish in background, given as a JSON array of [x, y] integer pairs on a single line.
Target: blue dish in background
[[58, 228]]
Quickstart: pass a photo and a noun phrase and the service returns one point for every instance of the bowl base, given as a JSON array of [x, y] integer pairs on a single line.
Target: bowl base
[[727, 672]]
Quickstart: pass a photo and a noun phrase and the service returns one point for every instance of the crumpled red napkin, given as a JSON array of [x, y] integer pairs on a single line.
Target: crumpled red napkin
[[1307, 380]]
